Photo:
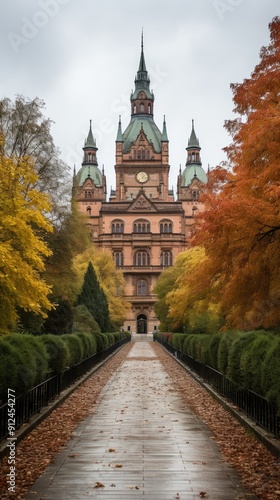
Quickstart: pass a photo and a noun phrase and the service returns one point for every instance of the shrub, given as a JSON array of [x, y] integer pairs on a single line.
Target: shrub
[[34, 355], [102, 341], [10, 363], [225, 344], [111, 339], [189, 345], [241, 343], [177, 341], [75, 346], [252, 361], [213, 349], [58, 350], [89, 343], [271, 373], [83, 321]]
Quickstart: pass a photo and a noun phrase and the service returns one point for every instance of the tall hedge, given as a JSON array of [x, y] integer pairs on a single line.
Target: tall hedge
[[59, 353]]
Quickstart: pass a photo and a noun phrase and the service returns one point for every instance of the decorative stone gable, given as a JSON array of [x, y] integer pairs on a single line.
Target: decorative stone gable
[[142, 204]]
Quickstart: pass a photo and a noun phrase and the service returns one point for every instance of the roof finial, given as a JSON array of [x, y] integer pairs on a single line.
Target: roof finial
[[142, 42], [89, 123], [192, 123]]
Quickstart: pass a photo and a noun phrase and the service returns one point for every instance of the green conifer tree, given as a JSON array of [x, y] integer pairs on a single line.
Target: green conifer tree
[[93, 297]]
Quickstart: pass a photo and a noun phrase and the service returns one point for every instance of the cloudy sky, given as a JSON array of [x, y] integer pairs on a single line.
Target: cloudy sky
[[81, 58]]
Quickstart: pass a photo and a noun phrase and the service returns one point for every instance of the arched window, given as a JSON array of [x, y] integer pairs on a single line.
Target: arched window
[[148, 154], [166, 258], [149, 108], [143, 154], [142, 107], [141, 259], [89, 211], [165, 226], [117, 227], [142, 287], [141, 226], [118, 258], [134, 154]]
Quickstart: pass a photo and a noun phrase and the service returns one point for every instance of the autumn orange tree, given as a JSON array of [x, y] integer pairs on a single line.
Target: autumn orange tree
[[240, 228], [23, 223]]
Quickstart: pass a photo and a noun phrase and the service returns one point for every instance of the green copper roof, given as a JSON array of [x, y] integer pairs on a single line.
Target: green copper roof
[[193, 141], [89, 171], [151, 130], [90, 142], [193, 171]]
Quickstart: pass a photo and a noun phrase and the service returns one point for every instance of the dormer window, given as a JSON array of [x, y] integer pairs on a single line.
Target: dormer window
[[195, 194]]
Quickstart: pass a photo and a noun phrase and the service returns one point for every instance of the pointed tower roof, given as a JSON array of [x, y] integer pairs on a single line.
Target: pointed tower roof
[[142, 80], [193, 141], [164, 137], [193, 169], [119, 134], [90, 141], [142, 64]]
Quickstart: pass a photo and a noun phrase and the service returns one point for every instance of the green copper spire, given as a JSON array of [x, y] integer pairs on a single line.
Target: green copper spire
[[119, 134], [142, 64], [193, 141], [164, 137], [142, 80], [90, 142]]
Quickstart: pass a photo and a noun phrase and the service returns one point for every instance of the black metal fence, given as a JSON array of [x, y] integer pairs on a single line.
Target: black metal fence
[[255, 406], [26, 405]]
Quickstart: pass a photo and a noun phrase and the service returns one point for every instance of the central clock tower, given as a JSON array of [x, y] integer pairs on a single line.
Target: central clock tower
[[142, 157], [141, 225]]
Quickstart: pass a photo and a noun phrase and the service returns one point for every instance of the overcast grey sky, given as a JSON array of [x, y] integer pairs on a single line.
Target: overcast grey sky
[[81, 58]]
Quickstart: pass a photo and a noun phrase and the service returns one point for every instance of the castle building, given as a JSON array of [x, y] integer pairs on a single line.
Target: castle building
[[142, 224]]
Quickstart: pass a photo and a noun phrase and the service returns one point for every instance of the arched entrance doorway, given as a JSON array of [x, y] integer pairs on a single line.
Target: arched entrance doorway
[[142, 323]]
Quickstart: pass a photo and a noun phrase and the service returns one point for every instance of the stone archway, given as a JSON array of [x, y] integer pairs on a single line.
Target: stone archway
[[141, 323]]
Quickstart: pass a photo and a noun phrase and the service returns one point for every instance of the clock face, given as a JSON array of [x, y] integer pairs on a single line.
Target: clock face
[[142, 176]]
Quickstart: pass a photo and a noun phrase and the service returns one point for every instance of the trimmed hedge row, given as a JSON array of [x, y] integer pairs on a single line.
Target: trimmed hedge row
[[27, 360], [249, 359]]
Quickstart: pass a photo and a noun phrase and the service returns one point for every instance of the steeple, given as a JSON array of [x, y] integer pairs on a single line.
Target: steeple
[[142, 99], [193, 170], [90, 149], [119, 134], [142, 79], [90, 141], [193, 141], [164, 137]]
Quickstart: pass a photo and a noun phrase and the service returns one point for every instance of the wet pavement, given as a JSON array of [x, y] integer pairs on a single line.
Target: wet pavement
[[142, 442]]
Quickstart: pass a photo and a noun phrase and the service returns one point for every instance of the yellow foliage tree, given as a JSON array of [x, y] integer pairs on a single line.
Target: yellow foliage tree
[[188, 303], [111, 281], [22, 248]]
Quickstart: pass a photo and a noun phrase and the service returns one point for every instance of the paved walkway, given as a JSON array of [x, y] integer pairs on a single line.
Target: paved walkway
[[141, 443]]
